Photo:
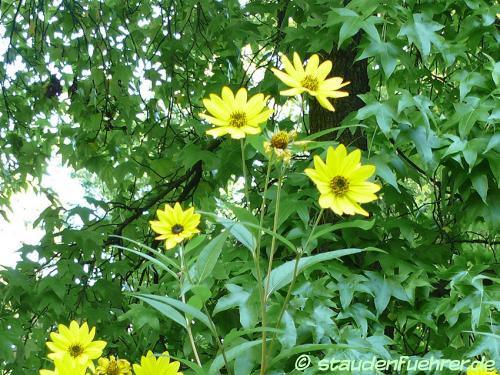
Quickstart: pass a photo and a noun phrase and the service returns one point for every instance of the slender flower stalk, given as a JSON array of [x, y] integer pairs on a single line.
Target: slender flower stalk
[[257, 260], [244, 168], [292, 283], [184, 272], [269, 269]]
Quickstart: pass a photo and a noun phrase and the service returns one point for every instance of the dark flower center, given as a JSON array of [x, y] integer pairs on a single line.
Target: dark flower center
[[238, 119], [75, 350], [339, 185], [310, 83], [177, 228], [280, 140]]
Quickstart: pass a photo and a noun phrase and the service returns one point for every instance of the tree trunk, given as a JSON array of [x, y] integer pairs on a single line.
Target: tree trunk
[[355, 72]]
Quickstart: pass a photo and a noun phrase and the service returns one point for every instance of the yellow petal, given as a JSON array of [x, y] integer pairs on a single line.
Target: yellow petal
[[289, 68], [217, 100], [170, 243], [326, 201], [217, 110], [292, 92], [297, 63], [322, 169], [333, 161], [228, 98], [361, 197], [364, 187], [350, 162], [213, 120], [217, 132], [345, 205], [241, 99], [255, 105], [260, 118], [333, 94], [286, 79], [323, 101], [333, 83], [251, 129], [312, 64], [323, 70], [236, 133], [362, 173]]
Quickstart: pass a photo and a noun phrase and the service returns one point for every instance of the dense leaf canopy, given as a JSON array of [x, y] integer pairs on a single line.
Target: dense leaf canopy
[[115, 88]]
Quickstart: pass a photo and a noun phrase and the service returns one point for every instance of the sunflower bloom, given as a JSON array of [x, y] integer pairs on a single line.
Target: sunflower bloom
[[312, 79], [341, 181], [113, 366], [66, 365], [174, 225], [480, 369], [236, 115], [150, 365], [77, 342], [279, 144]]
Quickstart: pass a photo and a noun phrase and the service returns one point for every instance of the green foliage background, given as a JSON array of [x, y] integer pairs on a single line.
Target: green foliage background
[[430, 122]]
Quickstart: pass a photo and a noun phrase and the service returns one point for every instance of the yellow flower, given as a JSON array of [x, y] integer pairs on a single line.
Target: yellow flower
[[234, 114], [311, 80], [480, 369], [341, 181], [113, 366], [279, 144], [66, 365], [77, 342], [150, 365], [175, 225]]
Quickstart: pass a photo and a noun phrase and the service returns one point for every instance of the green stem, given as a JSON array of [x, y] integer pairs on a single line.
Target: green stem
[[269, 269], [294, 278], [183, 298], [212, 324], [244, 167]]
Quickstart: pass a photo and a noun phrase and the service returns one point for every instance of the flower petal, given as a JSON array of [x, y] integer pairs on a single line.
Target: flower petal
[[312, 65]]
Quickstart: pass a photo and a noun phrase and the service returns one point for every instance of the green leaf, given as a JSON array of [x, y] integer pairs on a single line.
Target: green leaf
[[480, 183], [358, 224], [283, 274], [240, 232], [383, 112], [386, 53], [166, 310], [208, 257], [231, 354], [167, 301], [421, 32]]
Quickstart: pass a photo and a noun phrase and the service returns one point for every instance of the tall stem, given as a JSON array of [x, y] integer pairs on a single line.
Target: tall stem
[[256, 253], [271, 255], [244, 167], [183, 298], [294, 278], [212, 324]]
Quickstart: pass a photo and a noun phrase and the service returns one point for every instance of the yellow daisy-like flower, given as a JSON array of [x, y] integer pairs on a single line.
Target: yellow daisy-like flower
[[77, 342], [480, 369], [175, 225], [312, 79], [113, 366], [66, 365], [235, 114], [150, 365], [341, 181], [279, 144]]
